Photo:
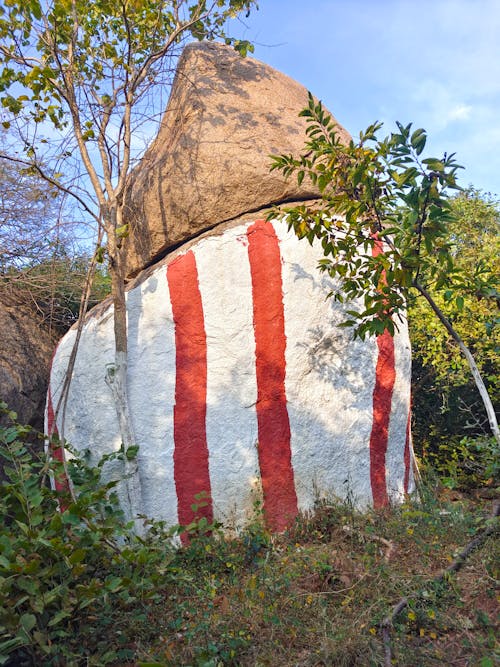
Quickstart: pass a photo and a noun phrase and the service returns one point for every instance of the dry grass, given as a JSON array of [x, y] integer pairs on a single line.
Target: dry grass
[[316, 595]]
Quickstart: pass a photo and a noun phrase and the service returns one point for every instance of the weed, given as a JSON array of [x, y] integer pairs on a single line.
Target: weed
[[77, 587]]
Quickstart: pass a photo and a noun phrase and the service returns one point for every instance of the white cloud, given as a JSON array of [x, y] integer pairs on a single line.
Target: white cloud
[[433, 62], [460, 112], [438, 105]]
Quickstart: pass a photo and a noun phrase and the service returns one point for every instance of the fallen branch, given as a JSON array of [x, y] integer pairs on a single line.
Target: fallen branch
[[387, 624], [390, 548]]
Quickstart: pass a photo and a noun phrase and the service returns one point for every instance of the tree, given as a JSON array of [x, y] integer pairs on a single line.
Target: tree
[[29, 221], [40, 259], [445, 398], [86, 71], [383, 225]]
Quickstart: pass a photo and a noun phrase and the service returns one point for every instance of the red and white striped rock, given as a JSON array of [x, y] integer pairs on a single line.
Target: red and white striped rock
[[241, 383]]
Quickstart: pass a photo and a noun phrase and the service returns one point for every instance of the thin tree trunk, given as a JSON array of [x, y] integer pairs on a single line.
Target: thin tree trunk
[[60, 410], [116, 379], [470, 359]]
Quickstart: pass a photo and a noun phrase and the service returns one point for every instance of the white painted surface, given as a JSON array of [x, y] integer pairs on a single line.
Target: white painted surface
[[399, 415], [329, 384], [231, 384]]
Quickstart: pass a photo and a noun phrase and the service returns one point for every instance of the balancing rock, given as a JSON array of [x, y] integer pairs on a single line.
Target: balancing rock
[[210, 161]]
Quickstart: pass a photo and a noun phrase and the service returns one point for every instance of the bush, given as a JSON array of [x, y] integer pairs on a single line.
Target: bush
[[54, 285], [76, 585], [468, 463]]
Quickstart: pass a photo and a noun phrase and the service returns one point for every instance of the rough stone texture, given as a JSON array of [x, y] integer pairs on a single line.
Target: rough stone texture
[[210, 161], [26, 348], [241, 381]]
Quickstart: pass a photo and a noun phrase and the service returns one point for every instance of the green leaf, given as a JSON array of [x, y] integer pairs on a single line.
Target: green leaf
[[486, 662], [58, 617], [28, 622], [77, 556], [433, 164], [9, 645], [418, 140], [114, 584], [131, 452]]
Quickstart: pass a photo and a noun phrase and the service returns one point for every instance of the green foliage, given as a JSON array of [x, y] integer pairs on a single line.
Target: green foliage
[[75, 584], [385, 224], [375, 190], [38, 261], [81, 74], [77, 587], [109, 48], [475, 246], [29, 228], [467, 463], [54, 285], [445, 399]]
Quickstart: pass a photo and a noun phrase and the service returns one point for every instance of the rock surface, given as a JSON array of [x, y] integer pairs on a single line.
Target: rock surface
[[210, 161], [26, 348], [242, 386]]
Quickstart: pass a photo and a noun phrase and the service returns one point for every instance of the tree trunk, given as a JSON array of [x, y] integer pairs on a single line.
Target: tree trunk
[[470, 360], [116, 378]]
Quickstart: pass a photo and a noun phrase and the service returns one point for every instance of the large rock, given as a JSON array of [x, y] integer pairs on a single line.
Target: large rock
[[242, 386], [210, 161], [26, 348]]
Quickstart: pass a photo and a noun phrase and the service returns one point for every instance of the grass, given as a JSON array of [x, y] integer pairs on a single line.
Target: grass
[[77, 588], [316, 594]]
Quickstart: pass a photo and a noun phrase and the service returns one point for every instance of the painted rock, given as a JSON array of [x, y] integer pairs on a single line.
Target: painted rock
[[243, 387]]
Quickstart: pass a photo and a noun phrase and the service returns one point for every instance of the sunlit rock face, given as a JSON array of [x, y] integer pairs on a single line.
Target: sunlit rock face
[[210, 162], [242, 386]]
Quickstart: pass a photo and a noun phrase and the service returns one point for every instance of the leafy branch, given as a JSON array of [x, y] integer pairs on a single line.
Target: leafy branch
[[383, 224]]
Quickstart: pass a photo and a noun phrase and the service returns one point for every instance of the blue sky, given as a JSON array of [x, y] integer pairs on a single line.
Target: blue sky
[[435, 63]]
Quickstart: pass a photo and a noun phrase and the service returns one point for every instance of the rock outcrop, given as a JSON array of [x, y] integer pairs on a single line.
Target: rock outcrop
[[26, 348], [210, 161], [242, 385]]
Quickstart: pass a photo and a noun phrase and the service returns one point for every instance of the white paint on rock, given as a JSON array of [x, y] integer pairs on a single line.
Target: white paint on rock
[[151, 392], [226, 291], [395, 467], [329, 384]]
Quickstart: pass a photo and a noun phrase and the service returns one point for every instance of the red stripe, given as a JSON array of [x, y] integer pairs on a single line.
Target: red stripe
[[191, 472], [407, 453], [385, 376], [275, 457], [61, 481]]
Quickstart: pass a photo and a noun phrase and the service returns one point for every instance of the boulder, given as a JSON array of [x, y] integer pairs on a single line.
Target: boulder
[[242, 386], [210, 161], [26, 348]]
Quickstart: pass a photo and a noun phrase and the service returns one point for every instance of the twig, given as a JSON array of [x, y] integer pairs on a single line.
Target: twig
[[390, 548], [338, 591], [387, 623]]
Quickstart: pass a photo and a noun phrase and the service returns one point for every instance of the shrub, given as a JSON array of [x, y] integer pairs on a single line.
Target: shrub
[[468, 463], [75, 583]]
